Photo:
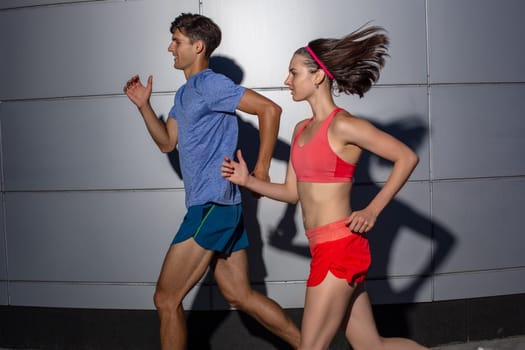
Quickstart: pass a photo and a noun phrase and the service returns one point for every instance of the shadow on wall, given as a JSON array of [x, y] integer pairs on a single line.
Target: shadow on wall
[[395, 217]]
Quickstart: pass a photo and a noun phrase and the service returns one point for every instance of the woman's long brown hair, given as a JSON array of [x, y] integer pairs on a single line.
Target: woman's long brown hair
[[354, 60]]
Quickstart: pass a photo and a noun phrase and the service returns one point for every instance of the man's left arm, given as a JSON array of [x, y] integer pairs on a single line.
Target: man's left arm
[[269, 116]]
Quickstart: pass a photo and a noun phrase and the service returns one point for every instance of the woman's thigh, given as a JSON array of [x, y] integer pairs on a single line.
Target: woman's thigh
[[324, 310]]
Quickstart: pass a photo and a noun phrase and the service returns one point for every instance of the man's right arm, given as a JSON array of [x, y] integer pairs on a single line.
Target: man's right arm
[[165, 135]]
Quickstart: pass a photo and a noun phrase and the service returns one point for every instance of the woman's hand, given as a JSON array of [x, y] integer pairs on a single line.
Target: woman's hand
[[235, 172], [361, 221]]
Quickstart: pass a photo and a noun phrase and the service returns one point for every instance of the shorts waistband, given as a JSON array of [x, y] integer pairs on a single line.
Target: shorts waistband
[[329, 232]]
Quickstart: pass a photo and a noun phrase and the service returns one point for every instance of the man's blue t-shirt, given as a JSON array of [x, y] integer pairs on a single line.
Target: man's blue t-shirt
[[204, 108]]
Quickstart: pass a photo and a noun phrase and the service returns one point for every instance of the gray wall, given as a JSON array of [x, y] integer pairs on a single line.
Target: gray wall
[[89, 205]]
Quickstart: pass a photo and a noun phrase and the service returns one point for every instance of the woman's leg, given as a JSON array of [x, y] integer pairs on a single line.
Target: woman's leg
[[361, 331], [324, 310]]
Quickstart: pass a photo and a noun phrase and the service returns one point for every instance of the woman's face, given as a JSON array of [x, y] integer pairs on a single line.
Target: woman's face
[[300, 80]]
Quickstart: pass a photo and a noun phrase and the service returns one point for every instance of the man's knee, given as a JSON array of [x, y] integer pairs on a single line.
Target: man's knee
[[166, 301], [159, 299], [232, 299], [238, 299]]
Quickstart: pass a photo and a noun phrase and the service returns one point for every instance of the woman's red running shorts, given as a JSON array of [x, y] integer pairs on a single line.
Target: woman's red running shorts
[[337, 249]]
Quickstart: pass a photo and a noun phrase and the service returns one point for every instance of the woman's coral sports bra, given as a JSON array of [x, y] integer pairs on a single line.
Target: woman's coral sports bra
[[315, 161]]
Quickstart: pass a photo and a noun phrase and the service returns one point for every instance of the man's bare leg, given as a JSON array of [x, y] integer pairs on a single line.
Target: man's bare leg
[[231, 274], [184, 265]]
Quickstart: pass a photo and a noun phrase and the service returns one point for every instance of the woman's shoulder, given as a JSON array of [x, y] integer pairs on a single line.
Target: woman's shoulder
[[343, 119], [301, 124], [342, 115], [345, 123]]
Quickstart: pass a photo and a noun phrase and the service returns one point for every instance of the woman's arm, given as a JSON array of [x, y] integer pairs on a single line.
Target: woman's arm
[[366, 136], [237, 173]]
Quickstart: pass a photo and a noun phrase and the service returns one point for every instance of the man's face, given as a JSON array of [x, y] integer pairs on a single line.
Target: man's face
[[183, 51]]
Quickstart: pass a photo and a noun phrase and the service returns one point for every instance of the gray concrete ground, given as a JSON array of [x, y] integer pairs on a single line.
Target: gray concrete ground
[[511, 343]]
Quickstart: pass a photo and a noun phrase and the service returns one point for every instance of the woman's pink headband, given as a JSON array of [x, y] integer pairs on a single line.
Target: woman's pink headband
[[316, 59]]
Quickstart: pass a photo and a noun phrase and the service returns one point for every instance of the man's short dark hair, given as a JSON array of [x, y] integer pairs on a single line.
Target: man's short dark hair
[[198, 27]]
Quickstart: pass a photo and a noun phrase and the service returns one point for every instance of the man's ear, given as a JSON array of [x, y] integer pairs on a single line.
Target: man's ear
[[199, 46]]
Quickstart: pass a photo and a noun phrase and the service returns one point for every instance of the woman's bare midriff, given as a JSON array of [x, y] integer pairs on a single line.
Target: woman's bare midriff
[[324, 203]]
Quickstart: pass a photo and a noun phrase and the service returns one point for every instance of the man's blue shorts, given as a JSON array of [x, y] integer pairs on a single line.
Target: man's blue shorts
[[214, 227]]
